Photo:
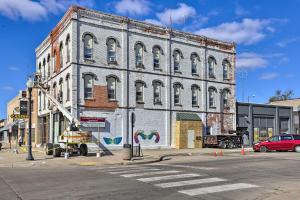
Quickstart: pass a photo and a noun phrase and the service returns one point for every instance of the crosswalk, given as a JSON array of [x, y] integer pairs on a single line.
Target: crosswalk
[[191, 184]]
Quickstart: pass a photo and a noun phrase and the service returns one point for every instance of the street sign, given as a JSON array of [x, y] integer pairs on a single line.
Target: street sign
[[93, 122], [18, 116]]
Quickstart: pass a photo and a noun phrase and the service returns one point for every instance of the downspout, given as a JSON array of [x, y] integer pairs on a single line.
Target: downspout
[[205, 72], [127, 80], [170, 84]]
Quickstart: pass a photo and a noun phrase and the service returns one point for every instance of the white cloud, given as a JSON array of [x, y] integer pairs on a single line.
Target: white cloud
[[269, 76], [37, 10], [7, 88], [247, 32], [288, 41], [133, 7], [177, 15], [12, 68], [250, 60], [154, 21], [240, 11]]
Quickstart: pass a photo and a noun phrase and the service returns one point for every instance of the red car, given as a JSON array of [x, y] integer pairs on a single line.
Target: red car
[[287, 142]]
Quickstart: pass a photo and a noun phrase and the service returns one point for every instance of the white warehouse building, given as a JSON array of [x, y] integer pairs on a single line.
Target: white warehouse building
[[103, 67]]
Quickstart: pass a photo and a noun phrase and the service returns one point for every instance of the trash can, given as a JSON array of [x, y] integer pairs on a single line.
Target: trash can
[[127, 152]]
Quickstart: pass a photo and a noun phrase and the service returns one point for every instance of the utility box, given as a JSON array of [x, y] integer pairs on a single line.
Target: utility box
[[126, 152], [189, 131]]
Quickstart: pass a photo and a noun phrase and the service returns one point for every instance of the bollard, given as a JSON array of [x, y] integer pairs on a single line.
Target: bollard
[[98, 154], [66, 155]]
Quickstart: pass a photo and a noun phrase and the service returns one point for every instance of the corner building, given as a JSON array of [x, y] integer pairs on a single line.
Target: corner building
[[105, 66]]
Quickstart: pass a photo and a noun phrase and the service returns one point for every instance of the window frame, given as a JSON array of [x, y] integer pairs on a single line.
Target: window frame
[[68, 88], [212, 67], [212, 97], [88, 53], [194, 65], [111, 52], [88, 94], [177, 56], [112, 80], [68, 50], [139, 58], [142, 87], [177, 97], [226, 67], [156, 57], [195, 91], [157, 85], [61, 55]]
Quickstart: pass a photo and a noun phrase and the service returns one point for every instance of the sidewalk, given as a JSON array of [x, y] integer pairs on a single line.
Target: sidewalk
[[8, 158]]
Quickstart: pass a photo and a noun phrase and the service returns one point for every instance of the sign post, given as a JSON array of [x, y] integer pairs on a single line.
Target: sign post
[[132, 126]]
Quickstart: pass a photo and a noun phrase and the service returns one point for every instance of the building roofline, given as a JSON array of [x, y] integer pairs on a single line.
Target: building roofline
[[265, 105]]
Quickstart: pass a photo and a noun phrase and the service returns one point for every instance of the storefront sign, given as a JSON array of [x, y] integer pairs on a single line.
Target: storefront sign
[[18, 116], [93, 122]]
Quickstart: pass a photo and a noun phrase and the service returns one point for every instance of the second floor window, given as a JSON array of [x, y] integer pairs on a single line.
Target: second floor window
[[139, 53], [195, 95], [111, 50], [212, 97], [177, 94], [88, 47], [139, 86], [157, 92], [44, 69], [68, 87], [156, 57], [54, 61], [225, 98], [48, 65], [60, 97], [88, 86], [111, 88]]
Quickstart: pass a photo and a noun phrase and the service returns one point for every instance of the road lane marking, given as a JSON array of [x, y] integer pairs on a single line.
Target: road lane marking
[[189, 182], [134, 170], [170, 177], [215, 189], [124, 168], [185, 166], [150, 173]]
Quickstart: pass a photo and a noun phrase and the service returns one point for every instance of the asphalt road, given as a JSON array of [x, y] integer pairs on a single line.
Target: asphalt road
[[267, 176]]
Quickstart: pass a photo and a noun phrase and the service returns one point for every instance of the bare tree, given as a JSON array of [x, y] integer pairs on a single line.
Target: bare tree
[[280, 96]]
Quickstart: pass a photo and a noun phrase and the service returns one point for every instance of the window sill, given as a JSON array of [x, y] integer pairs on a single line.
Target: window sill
[[112, 100], [157, 103], [179, 105], [195, 74], [157, 69], [212, 107], [112, 62], [87, 60], [90, 99], [140, 66], [140, 102], [177, 72], [195, 106], [212, 77]]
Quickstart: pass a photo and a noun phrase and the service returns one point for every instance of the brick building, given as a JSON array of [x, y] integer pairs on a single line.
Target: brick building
[[15, 128], [103, 67]]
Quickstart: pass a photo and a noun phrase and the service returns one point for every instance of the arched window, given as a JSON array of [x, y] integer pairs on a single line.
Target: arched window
[[211, 67], [156, 57], [40, 68], [111, 50], [226, 65], [225, 94], [88, 47], [68, 48], [88, 86], [139, 54], [54, 91], [177, 93], [157, 91], [61, 55], [111, 88], [212, 97], [61, 94], [194, 63], [177, 59], [48, 65], [68, 87], [139, 94], [195, 95], [44, 101], [44, 68], [54, 60]]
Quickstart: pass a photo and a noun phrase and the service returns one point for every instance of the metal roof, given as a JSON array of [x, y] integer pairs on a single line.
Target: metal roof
[[187, 117]]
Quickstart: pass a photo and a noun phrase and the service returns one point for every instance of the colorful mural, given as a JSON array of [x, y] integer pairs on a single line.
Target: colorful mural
[[112, 141], [144, 136]]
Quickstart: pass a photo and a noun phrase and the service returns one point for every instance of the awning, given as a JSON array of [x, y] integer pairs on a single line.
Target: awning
[[8, 126], [187, 117]]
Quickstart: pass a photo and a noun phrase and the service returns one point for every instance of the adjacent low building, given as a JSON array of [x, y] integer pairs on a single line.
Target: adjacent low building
[[295, 103], [257, 122]]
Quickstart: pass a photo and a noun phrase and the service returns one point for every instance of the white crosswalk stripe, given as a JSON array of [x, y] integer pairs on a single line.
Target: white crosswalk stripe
[[183, 166], [170, 177], [189, 182], [215, 189], [124, 168], [134, 171], [150, 173]]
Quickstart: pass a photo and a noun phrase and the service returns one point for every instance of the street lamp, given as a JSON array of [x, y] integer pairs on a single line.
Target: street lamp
[[29, 85]]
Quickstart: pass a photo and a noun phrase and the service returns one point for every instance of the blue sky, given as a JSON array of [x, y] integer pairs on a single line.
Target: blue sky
[[267, 34]]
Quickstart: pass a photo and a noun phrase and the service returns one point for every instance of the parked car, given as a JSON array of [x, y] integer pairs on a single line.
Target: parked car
[[287, 142]]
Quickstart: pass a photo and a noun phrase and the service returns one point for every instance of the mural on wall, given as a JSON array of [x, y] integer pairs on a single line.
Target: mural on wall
[[144, 136], [112, 141]]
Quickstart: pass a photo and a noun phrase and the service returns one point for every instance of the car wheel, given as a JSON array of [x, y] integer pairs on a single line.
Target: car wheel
[[297, 149], [263, 149]]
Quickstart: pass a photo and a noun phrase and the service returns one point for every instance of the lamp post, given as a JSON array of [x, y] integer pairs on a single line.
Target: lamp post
[[132, 126], [29, 85]]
